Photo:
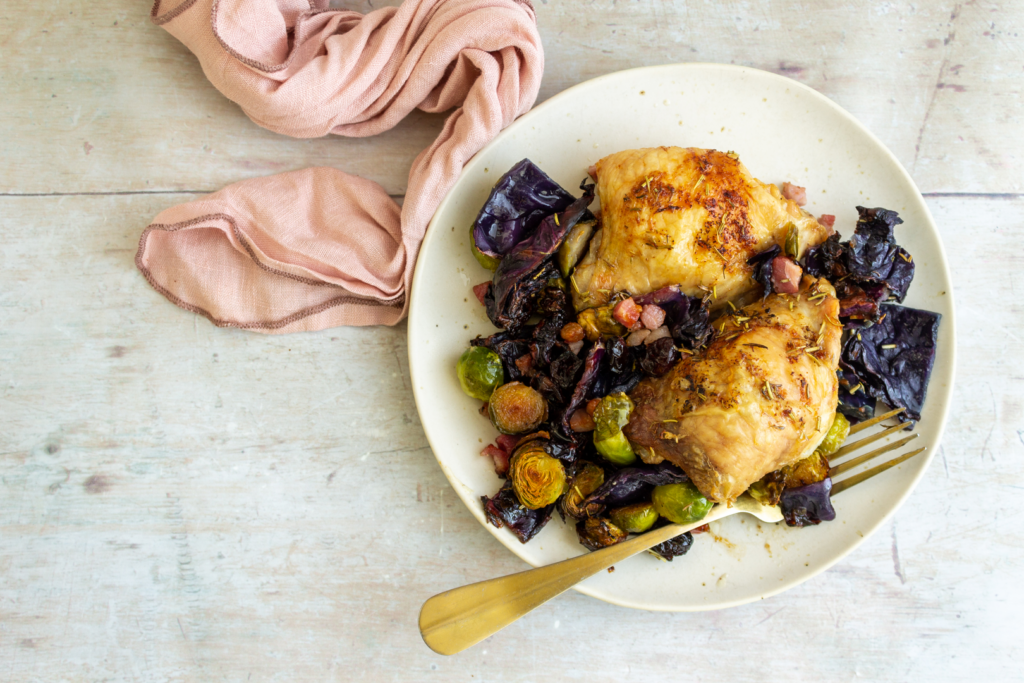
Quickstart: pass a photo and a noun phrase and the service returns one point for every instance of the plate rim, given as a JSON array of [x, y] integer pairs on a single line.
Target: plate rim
[[943, 264]]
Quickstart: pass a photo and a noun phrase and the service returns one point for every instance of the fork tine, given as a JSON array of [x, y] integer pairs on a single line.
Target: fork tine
[[857, 445], [861, 426], [867, 474], [861, 459]]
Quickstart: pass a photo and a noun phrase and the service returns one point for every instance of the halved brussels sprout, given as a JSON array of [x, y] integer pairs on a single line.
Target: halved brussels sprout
[[586, 481], [836, 435], [480, 372], [537, 478], [595, 534], [574, 245], [515, 408], [681, 503], [636, 518], [611, 416]]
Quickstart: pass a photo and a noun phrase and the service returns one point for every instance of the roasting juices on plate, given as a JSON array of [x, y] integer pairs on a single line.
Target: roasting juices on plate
[[697, 337]]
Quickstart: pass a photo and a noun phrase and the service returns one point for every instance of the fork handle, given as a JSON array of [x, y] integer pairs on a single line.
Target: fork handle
[[454, 620]]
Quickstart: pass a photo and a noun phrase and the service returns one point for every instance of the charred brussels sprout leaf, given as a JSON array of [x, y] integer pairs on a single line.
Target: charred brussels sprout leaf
[[681, 503], [574, 245], [480, 372], [636, 518], [769, 489], [587, 480], [504, 509], [599, 323], [515, 408], [537, 478], [595, 534]]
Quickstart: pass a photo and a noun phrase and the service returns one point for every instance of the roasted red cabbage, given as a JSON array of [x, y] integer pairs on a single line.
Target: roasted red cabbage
[[504, 509], [525, 270], [762, 264], [674, 547], [892, 359], [810, 504], [687, 317], [520, 200], [630, 485], [868, 269]]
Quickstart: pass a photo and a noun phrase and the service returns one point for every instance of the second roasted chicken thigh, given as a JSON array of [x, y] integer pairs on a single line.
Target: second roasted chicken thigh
[[761, 396], [688, 217]]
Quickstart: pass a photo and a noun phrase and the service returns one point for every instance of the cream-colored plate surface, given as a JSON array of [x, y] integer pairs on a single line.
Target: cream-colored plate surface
[[782, 131]]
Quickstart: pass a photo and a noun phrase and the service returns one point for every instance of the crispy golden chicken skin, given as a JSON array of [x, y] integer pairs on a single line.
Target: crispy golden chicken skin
[[762, 395], [690, 217]]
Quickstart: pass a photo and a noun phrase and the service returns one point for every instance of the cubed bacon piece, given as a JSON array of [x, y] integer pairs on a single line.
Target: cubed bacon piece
[[626, 313], [580, 421], [507, 442], [592, 406], [498, 456], [592, 171], [795, 192], [524, 363], [480, 290], [652, 316], [786, 275], [828, 220]]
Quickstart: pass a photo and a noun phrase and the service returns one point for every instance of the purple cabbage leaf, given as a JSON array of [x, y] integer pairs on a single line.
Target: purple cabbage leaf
[[892, 360], [687, 317], [520, 200], [525, 270], [810, 504], [631, 484], [762, 264], [504, 509]]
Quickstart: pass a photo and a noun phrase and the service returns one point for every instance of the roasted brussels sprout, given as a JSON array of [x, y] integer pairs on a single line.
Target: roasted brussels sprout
[[595, 534], [681, 503], [574, 245], [836, 435], [636, 518], [480, 372], [537, 478], [598, 322], [810, 470], [586, 481], [515, 408], [611, 416], [768, 490]]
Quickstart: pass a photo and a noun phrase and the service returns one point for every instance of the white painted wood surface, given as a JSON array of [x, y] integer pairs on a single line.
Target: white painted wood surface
[[180, 502]]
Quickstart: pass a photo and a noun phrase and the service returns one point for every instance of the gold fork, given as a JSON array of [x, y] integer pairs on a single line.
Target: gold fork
[[457, 619]]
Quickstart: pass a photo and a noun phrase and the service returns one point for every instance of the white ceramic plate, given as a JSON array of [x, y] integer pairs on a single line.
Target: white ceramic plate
[[782, 130]]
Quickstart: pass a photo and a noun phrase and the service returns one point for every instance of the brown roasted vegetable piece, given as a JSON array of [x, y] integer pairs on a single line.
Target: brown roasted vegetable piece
[[586, 481], [596, 533], [515, 408]]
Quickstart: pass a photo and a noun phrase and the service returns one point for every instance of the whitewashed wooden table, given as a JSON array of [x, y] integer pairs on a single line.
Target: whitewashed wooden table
[[181, 502]]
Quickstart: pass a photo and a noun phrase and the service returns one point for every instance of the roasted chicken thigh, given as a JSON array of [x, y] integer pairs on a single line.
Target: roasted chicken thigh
[[762, 395], [689, 217]]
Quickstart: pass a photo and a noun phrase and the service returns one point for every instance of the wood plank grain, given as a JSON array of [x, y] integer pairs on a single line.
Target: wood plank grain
[[129, 109], [181, 502]]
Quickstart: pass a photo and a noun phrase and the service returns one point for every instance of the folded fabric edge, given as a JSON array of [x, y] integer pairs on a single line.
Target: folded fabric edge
[[279, 325]]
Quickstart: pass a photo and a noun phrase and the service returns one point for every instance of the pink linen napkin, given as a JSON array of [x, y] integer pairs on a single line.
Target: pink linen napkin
[[312, 249]]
